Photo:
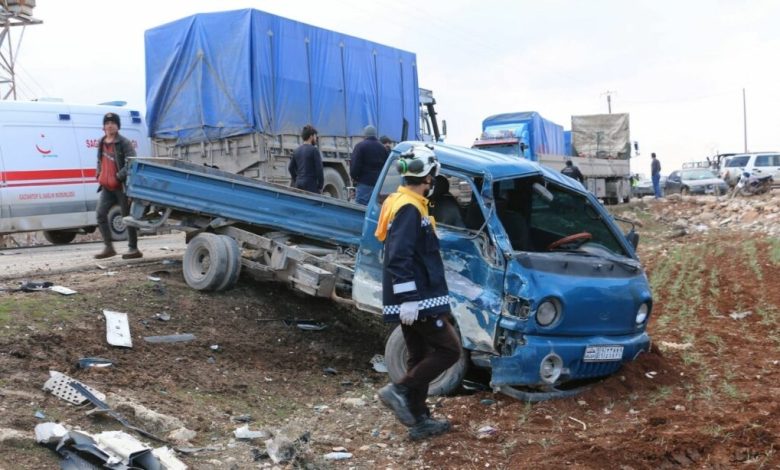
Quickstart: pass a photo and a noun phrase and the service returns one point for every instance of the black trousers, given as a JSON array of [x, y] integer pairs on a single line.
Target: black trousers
[[105, 201], [433, 347]]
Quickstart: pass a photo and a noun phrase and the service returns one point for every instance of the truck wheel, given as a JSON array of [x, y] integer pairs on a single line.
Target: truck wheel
[[334, 184], [205, 262], [233, 270], [116, 225], [395, 360], [58, 237]]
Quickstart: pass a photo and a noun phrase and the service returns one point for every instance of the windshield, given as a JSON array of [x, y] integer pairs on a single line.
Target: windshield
[[504, 149], [697, 175], [738, 161], [533, 221]]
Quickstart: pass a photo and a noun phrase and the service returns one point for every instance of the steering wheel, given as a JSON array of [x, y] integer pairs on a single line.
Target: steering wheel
[[580, 238]]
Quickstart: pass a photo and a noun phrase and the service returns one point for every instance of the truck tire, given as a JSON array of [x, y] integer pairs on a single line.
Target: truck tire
[[116, 225], [233, 270], [59, 237], [205, 262], [334, 185], [395, 360]]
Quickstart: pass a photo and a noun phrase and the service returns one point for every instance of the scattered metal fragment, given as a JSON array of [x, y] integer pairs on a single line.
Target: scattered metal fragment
[[164, 316], [62, 290], [39, 414], [117, 329], [99, 362], [337, 456], [170, 338], [35, 286], [49, 433], [242, 418], [103, 407], [330, 371], [378, 363], [153, 278], [59, 386]]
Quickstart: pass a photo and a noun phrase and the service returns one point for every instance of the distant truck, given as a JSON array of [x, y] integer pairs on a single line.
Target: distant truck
[[234, 89], [48, 158], [599, 145], [545, 288]]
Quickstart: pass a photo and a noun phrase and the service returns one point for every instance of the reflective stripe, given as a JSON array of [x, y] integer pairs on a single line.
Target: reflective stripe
[[404, 287], [423, 305]]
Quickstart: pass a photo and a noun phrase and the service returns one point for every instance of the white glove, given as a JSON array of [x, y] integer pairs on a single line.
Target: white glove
[[409, 312]]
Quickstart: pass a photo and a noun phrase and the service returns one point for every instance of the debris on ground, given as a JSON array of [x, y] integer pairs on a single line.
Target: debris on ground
[[62, 290], [245, 433], [740, 315], [178, 338], [117, 329], [97, 362], [59, 385]]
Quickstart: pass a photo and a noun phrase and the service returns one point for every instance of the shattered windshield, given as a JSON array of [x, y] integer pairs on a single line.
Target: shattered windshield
[[535, 219]]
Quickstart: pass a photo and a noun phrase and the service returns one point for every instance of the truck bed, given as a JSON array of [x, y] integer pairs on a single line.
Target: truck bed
[[189, 188]]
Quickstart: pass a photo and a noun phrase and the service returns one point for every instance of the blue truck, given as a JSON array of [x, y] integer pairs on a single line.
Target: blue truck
[[598, 144], [234, 89], [546, 289]]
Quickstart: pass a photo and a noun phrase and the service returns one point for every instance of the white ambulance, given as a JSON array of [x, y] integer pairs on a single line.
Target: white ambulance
[[47, 166]]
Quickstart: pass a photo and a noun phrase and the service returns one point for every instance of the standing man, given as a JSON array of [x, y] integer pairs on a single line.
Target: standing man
[[572, 171], [368, 159], [387, 142], [112, 154], [306, 164], [655, 172], [415, 293]]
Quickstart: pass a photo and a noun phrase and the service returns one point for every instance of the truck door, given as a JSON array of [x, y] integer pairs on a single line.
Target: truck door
[[474, 278]]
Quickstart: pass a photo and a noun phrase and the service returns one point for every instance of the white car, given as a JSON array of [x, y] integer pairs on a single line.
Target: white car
[[759, 164]]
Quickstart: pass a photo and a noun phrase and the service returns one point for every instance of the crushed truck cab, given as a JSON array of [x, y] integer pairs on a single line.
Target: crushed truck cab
[[545, 287], [546, 290]]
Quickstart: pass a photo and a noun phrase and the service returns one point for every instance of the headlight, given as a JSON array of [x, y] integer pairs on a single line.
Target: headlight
[[547, 313], [641, 314]]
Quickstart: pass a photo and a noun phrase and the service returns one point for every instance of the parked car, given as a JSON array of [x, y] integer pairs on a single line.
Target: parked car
[[758, 163], [644, 186], [695, 181]]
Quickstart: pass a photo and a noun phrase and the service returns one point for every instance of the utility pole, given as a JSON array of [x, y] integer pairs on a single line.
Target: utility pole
[[744, 118], [12, 13], [609, 100]]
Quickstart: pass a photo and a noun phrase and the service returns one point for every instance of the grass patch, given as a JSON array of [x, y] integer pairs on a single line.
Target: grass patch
[[774, 250], [36, 308], [751, 252]]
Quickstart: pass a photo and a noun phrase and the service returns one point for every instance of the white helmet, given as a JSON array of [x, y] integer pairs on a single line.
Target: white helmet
[[418, 161]]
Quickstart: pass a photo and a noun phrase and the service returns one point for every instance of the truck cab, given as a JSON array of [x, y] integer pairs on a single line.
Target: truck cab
[[545, 287]]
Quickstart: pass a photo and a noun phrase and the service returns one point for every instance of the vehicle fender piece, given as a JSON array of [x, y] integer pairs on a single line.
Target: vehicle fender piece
[[535, 397]]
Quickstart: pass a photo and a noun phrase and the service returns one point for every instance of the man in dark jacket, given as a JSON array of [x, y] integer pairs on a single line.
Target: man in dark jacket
[[306, 164], [415, 293], [572, 171], [112, 154], [655, 175], [368, 159]]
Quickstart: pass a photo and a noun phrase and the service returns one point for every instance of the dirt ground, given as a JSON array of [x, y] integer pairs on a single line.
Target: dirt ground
[[707, 396]]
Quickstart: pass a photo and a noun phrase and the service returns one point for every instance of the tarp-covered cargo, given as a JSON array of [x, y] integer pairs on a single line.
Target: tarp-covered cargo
[[216, 75], [601, 136], [537, 133]]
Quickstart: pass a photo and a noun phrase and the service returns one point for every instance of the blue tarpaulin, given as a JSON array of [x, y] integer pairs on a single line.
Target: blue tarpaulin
[[540, 135], [216, 75]]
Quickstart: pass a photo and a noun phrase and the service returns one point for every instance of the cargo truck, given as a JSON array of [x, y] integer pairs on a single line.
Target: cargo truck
[[545, 289], [233, 90], [598, 144]]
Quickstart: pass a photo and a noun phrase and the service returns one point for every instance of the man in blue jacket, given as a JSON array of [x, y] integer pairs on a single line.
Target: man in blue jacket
[[306, 164], [368, 159], [415, 293]]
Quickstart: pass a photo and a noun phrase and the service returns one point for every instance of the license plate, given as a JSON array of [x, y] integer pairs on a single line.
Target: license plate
[[603, 353]]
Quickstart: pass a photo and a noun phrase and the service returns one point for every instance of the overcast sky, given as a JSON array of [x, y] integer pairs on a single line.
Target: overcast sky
[[678, 67]]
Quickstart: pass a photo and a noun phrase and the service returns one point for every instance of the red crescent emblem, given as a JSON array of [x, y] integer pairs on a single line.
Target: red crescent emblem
[[45, 152]]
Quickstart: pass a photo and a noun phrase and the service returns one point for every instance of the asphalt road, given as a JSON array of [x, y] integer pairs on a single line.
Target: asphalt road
[[35, 262]]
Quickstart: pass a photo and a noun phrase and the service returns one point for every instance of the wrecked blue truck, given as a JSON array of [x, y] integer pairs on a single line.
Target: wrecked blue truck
[[546, 290]]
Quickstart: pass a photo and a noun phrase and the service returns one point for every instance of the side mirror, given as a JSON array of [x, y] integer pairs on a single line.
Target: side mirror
[[633, 238], [443, 128]]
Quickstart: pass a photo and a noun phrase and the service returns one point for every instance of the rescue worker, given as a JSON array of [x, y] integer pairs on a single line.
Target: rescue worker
[[415, 293], [572, 171], [112, 154]]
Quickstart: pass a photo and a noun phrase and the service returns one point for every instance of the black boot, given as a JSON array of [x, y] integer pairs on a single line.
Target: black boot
[[395, 397], [428, 427]]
